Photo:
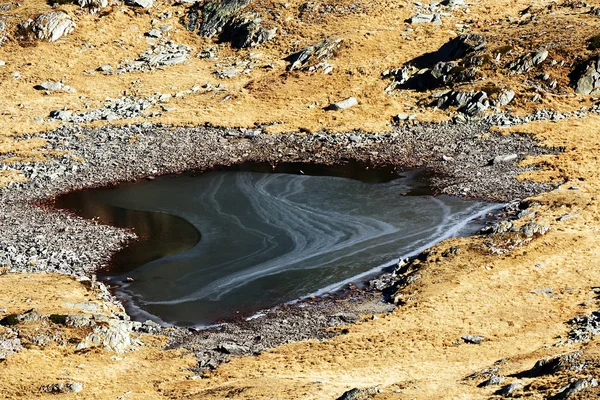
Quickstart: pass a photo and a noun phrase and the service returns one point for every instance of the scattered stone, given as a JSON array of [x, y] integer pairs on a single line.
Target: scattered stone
[[232, 348], [493, 380], [9, 346], [212, 17], [316, 56], [50, 26], [62, 388], [589, 81], [140, 3], [556, 364], [469, 103], [343, 104], [2, 63], [585, 327], [532, 228], [504, 98], [164, 54], [421, 19], [509, 389], [93, 5], [3, 35], [51, 86], [107, 68], [528, 61], [154, 33], [248, 32], [542, 291], [472, 339], [506, 158], [114, 336], [359, 394]]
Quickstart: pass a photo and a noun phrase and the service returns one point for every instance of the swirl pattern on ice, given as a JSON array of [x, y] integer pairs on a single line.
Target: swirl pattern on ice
[[272, 238]]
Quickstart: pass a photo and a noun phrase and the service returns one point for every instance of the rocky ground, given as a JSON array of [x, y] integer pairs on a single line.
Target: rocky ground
[[493, 100]]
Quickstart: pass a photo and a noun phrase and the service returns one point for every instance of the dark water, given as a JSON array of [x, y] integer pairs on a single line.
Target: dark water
[[232, 241]]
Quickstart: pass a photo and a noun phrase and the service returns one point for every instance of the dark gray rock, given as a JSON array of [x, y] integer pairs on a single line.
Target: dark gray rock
[[469, 103], [3, 33], [589, 80], [211, 18]]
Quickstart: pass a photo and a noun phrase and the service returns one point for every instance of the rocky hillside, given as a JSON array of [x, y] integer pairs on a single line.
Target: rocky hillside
[[282, 65]]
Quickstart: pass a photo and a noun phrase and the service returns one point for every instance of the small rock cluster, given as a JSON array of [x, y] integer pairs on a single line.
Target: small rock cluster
[[164, 54], [121, 108], [93, 5], [315, 57], [62, 388]]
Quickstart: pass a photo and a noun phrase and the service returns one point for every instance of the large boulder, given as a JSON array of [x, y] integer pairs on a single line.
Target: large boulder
[[589, 80], [51, 26]]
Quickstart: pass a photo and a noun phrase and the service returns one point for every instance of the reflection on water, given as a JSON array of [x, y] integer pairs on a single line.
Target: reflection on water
[[264, 238]]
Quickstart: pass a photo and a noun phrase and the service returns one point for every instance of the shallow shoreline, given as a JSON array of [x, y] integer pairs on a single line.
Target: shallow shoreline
[[457, 157]]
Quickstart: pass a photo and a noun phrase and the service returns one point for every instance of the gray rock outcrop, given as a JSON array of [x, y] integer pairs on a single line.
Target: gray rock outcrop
[[589, 81], [50, 26]]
